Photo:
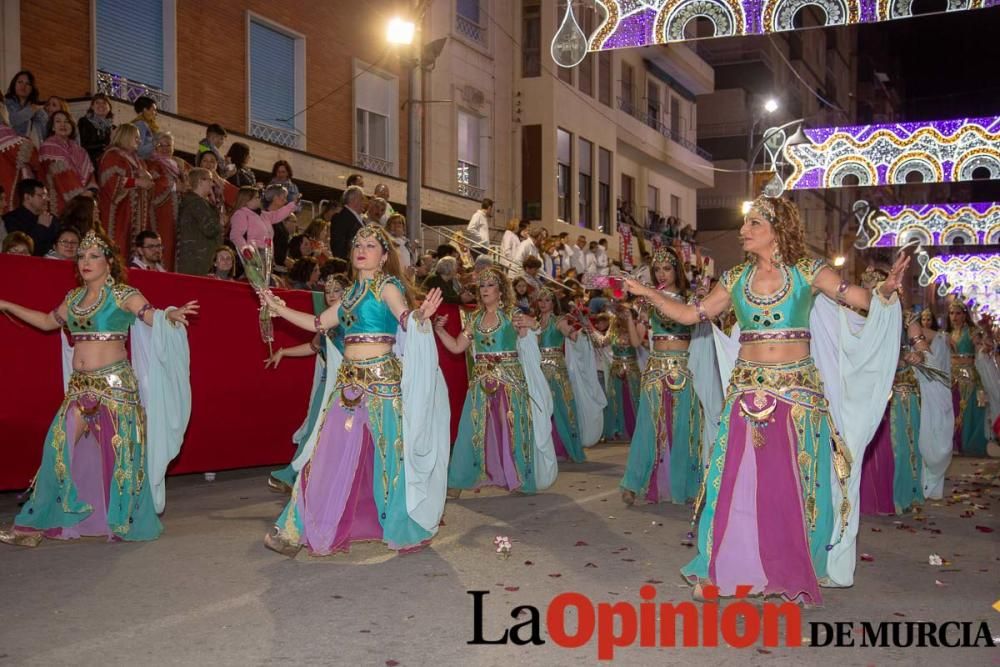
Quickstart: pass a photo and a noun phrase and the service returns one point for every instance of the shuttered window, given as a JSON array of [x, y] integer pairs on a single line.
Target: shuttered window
[[272, 76], [130, 40]]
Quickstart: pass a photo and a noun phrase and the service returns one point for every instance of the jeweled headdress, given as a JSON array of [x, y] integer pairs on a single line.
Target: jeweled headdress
[[492, 273], [765, 206], [664, 256], [376, 232], [93, 240]]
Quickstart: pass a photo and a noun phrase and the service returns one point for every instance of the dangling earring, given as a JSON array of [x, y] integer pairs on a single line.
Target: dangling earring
[[110, 280], [776, 257]]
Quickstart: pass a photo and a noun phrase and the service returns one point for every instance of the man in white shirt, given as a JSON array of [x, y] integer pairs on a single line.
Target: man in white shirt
[[478, 230], [579, 259], [529, 246], [603, 262], [590, 259], [644, 273]]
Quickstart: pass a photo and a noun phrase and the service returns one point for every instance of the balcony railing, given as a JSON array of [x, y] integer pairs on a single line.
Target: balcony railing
[[282, 136], [375, 164], [652, 121], [119, 87], [470, 29], [467, 177]]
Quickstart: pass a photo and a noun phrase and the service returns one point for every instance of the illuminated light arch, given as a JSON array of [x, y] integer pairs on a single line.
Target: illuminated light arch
[[943, 151], [633, 23], [851, 166], [978, 222], [923, 163]]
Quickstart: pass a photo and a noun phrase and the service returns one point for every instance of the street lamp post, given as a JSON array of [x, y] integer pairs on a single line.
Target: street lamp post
[[769, 107], [406, 33]]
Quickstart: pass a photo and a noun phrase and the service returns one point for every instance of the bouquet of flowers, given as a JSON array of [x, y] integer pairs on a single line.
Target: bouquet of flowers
[[503, 546], [257, 264]]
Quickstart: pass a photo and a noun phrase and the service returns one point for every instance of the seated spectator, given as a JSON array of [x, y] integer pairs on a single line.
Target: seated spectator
[[318, 236], [532, 267], [148, 252], [66, 166], [522, 294], [66, 245], [199, 230], [377, 208], [215, 137], [239, 155], [396, 227], [298, 247], [82, 213], [145, 121], [32, 217], [382, 191], [445, 278], [283, 233], [332, 267], [54, 104], [18, 243], [281, 174], [27, 117], [304, 274], [423, 267], [223, 264], [95, 128], [223, 192]]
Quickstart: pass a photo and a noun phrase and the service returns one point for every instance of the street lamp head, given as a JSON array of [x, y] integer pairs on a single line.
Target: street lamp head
[[400, 31], [771, 105], [745, 208], [839, 261]]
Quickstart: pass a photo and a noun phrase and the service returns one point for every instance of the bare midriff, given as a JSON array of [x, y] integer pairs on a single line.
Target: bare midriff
[[362, 351], [92, 355], [774, 353], [671, 345]]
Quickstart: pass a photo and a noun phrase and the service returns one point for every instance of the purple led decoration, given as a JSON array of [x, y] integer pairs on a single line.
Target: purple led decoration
[[937, 151], [632, 23], [974, 223]]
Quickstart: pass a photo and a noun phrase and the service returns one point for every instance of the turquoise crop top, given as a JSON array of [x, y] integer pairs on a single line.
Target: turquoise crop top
[[662, 326], [964, 344], [106, 319], [501, 338], [364, 312], [787, 309], [551, 336]]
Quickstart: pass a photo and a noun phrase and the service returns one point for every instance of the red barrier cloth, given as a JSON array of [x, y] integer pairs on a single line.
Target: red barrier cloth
[[242, 415], [454, 367]]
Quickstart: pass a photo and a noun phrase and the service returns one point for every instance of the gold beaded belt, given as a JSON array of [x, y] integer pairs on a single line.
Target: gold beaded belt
[[379, 376], [671, 337], [551, 352], [116, 382], [783, 336], [496, 357], [369, 338], [98, 336]]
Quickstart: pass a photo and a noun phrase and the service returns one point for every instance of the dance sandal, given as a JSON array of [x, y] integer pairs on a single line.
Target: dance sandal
[[18, 539], [628, 497], [275, 485], [275, 543]]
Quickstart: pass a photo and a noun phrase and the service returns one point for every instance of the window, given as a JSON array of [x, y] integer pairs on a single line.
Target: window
[[652, 105], [276, 83], [130, 44], [627, 95], [675, 117], [604, 77], [468, 22], [564, 157], [584, 157], [675, 206], [469, 161], [375, 131], [531, 172], [531, 39], [652, 202], [604, 190], [627, 194]]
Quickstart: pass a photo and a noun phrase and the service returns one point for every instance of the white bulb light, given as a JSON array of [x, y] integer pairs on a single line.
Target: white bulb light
[[400, 31]]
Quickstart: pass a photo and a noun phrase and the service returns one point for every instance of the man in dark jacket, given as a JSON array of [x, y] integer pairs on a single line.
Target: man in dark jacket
[[345, 224], [199, 231], [32, 217]]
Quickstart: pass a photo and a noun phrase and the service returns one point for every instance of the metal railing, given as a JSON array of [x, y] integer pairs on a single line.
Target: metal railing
[[372, 163], [282, 136], [469, 29], [120, 87], [655, 123]]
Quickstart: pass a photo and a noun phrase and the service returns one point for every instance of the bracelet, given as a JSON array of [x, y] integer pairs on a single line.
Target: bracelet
[[877, 291], [842, 291], [58, 318], [312, 346], [142, 311], [916, 339], [318, 323], [702, 315], [403, 319]]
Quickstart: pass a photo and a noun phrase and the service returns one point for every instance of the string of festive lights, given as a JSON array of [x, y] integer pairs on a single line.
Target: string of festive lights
[[974, 223]]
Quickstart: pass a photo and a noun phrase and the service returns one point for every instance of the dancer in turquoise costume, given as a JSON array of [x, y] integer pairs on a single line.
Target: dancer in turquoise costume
[[105, 456], [779, 501], [505, 433], [664, 458], [891, 473], [970, 400], [374, 466], [281, 481], [555, 329], [621, 380]]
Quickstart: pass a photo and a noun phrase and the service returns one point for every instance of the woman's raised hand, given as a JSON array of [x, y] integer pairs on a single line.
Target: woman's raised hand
[[430, 305]]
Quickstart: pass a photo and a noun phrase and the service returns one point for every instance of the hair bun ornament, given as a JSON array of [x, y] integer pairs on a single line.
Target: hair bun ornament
[[93, 240]]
